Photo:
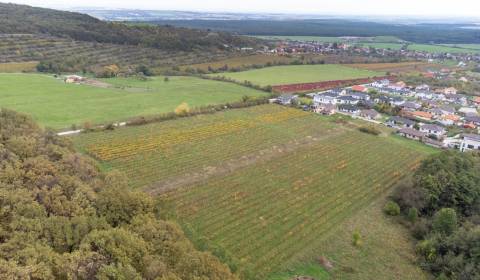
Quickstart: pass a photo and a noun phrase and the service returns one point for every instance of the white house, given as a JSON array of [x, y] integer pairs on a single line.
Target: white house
[[434, 130], [324, 99], [470, 142]]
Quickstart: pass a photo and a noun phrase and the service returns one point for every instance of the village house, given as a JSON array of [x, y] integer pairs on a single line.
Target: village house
[[433, 130], [347, 100], [370, 114], [347, 108], [397, 121], [398, 85], [325, 109], [457, 99], [424, 87], [433, 143], [360, 96], [359, 88], [410, 106], [286, 99], [422, 115], [449, 120], [380, 83], [475, 120], [324, 99], [470, 142], [468, 111], [448, 91], [411, 133]]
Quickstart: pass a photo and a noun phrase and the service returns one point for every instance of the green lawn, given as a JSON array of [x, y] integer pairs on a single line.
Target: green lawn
[[282, 75], [55, 104]]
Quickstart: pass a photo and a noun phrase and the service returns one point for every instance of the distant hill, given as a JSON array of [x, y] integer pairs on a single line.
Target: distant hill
[[419, 33], [23, 19]]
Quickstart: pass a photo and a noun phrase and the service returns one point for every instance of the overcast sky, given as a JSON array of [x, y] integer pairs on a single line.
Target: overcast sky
[[454, 8]]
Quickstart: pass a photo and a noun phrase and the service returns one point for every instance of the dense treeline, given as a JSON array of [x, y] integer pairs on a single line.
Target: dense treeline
[[441, 202], [420, 33], [16, 19], [62, 219]]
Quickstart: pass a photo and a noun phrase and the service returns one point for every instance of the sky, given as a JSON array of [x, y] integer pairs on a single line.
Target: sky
[[457, 8]]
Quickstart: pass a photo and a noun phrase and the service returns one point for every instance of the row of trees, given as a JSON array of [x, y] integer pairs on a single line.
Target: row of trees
[[441, 203], [62, 219]]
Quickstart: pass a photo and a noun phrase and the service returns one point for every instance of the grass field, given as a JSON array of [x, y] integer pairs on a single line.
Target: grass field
[[401, 67], [441, 49], [392, 46], [58, 105], [268, 184], [282, 75]]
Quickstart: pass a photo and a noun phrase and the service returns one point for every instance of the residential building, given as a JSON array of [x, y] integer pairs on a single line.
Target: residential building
[[370, 114], [470, 142], [347, 108], [433, 130], [397, 121], [411, 133]]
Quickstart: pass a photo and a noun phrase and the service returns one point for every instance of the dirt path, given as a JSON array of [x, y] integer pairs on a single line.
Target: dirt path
[[231, 165]]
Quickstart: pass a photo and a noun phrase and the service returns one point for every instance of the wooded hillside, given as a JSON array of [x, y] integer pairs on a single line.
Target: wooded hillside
[[16, 19], [62, 219]]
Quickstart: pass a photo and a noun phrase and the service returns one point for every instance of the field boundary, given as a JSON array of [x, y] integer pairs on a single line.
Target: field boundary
[[304, 87]]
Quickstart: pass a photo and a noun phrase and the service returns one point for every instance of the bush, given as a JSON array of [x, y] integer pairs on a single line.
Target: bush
[[445, 221], [357, 239], [412, 214], [392, 208], [370, 130], [420, 229], [182, 109]]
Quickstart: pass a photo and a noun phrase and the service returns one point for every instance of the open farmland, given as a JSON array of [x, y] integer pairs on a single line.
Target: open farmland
[[296, 74], [58, 105], [442, 49], [268, 184], [241, 61], [400, 67]]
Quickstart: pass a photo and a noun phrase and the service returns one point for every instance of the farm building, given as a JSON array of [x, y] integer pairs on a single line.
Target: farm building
[[72, 79]]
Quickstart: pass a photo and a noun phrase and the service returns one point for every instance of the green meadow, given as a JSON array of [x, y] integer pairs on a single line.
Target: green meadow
[[295, 74], [57, 105]]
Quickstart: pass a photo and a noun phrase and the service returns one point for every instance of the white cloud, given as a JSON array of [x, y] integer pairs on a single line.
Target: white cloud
[[456, 8]]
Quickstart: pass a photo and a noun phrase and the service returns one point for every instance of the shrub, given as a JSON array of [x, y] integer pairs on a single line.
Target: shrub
[[182, 109], [445, 221], [420, 229], [370, 130], [392, 208], [412, 214], [357, 239]]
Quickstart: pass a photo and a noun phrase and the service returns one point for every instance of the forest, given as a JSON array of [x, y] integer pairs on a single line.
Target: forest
[[419, 33], [441, 205], [15, 19]]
